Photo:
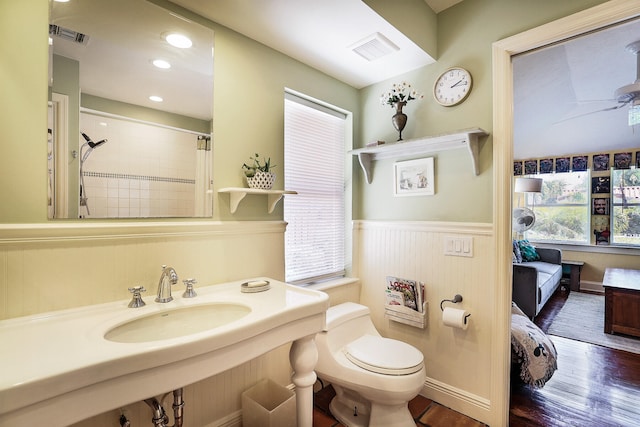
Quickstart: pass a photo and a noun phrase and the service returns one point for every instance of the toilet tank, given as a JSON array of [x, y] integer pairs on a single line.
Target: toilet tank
[[347, 322]]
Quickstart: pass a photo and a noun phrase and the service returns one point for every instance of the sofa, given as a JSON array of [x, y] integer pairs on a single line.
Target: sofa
[[535, 277]]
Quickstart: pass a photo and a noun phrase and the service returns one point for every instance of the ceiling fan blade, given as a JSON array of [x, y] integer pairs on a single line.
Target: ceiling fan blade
[[615, 107]]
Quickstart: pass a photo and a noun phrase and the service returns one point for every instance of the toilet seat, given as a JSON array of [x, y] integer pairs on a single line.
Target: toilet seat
[[384, 356]]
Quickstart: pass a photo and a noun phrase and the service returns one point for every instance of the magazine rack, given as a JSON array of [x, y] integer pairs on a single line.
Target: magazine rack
[[406, 315]]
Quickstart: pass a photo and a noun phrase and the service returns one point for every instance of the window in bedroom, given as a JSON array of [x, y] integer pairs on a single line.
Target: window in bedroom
[[562, 209], [314, 154], [625, 194]]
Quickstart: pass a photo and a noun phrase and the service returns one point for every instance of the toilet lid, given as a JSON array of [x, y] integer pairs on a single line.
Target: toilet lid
[[384, 355]]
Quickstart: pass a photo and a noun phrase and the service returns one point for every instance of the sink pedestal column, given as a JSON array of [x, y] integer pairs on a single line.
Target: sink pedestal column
[[303, 357]]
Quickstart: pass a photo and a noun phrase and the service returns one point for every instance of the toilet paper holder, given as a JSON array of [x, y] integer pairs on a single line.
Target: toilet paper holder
[[456, 299]]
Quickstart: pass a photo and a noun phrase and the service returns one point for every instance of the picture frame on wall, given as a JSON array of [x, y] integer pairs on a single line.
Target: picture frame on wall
[[546, 165], [530, 167], [517, 168], [414, 178], [579, 163], [600, 206], [622, 160], [600, 162], [600, 184], [563, 164]]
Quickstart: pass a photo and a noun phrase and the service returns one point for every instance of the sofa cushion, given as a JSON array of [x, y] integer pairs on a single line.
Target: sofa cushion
[[516, 252], [545, 267], [528, 251]]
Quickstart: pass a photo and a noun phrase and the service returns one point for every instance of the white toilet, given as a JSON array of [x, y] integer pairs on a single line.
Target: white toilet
[[374, 377]]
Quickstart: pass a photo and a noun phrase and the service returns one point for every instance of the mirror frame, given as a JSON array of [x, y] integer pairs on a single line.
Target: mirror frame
[[69, 145]]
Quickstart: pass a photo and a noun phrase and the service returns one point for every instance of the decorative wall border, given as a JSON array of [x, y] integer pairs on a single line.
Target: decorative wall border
[[13, 234]]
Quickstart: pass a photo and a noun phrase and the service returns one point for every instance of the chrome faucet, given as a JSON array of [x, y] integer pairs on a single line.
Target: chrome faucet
[[167, 278]]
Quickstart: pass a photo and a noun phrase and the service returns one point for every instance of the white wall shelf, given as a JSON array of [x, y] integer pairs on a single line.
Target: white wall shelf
[[236, 194], [467, 138]]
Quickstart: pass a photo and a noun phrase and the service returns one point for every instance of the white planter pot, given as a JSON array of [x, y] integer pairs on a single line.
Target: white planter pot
[[262, 180]]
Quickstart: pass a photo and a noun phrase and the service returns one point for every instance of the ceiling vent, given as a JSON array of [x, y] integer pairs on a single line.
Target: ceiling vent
[[373, 47], [67, 34]]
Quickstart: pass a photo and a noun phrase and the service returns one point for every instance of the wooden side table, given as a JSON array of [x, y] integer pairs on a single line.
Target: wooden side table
[[622, 301], [575, 267]]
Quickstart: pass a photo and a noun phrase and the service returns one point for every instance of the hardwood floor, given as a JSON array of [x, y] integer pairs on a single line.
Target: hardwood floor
[[594, 386]]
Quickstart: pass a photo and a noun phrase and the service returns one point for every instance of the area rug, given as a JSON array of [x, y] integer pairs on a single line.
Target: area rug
[[582, 319]]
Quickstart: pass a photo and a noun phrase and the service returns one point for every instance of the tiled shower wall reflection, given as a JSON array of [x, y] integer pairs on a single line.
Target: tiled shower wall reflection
[[142, 171]]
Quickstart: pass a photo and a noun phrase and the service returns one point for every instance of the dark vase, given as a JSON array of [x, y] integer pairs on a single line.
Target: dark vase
[[399, 119]]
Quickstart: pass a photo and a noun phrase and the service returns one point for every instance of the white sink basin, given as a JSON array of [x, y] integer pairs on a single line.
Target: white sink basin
[[176, 323], [62, 367]]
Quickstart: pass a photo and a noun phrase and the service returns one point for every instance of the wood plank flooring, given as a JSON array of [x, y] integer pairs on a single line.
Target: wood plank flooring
[[594, 386]]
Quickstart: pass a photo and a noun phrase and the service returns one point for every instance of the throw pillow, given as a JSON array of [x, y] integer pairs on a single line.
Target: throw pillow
[[516, 252], [528, 251]]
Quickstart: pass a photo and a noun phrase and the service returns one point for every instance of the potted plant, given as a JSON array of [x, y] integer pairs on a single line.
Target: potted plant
[[258, 173]]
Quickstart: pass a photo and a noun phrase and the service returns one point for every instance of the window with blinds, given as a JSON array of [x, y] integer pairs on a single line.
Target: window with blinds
[[314, 155]]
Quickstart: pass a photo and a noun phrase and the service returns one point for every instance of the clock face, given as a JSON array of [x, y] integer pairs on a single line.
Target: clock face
[[452, 87]]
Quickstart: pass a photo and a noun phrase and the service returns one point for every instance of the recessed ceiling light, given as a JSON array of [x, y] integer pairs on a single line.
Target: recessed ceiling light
[[61, 1], [178, 40], [156, 98], [161, 63]]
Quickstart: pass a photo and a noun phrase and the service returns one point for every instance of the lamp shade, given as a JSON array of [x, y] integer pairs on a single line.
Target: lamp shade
[[528, 185]]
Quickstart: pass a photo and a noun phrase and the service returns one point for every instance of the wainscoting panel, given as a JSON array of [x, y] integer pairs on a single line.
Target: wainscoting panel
[[458, 362], [45, 267]]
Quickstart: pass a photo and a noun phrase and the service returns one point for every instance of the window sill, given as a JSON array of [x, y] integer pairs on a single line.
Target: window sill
[[608, 249], [334, 283]]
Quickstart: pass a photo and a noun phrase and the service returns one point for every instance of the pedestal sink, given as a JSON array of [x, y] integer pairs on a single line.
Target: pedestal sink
[[176, 323], [62, 367]]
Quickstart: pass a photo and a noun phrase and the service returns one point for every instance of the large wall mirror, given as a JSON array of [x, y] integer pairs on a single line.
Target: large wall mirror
[[130, 113]]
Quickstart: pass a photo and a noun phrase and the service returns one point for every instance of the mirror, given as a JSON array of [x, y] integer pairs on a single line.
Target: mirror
[[114, 150]]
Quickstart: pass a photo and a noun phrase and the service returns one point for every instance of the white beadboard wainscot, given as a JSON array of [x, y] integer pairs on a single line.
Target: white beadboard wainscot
[[458, 362]]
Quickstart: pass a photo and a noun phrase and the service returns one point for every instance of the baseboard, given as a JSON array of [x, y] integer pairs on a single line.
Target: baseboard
[[232, 420], [595, 287], [459, 400]]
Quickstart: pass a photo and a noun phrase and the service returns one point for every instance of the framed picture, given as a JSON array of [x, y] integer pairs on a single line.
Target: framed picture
[[546, 165], [600, 206], [622, 160], [414, 178], [579, 163], [563, 164], [600, 162], [530, 167], [517, 168], [600, 184]]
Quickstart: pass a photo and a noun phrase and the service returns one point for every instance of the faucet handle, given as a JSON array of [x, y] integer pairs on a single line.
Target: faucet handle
[[189, 292], [137, 301]]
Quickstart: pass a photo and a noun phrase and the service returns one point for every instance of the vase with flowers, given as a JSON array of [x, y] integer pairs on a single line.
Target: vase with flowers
[[397, 97], [258, 173]]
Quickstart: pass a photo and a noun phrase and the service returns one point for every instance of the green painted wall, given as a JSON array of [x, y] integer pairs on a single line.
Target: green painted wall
[[249, 80], [466, 32], [249, 83]]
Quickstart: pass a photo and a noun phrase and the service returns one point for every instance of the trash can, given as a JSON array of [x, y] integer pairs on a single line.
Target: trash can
[[268, 404]]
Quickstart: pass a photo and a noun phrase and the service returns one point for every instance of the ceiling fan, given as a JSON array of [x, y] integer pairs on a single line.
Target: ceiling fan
[[625, 95]]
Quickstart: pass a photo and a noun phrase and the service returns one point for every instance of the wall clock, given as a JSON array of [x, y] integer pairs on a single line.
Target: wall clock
[[452, 86]]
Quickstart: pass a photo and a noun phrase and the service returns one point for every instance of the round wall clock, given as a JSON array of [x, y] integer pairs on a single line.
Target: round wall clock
[[452, 86]]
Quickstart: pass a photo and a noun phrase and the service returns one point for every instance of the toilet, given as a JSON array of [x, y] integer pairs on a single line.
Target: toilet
[[374, 377]]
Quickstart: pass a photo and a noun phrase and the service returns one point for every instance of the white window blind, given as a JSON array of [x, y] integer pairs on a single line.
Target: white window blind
[[314, 167]]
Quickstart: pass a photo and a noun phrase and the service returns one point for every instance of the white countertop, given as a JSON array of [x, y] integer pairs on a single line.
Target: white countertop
[[51, 360]]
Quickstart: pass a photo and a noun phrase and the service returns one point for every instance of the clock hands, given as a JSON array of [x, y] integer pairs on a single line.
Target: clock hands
[[460, 82]]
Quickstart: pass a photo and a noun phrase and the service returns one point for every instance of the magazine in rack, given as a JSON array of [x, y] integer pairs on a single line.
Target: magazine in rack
[[404, 301], [408, 293]]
